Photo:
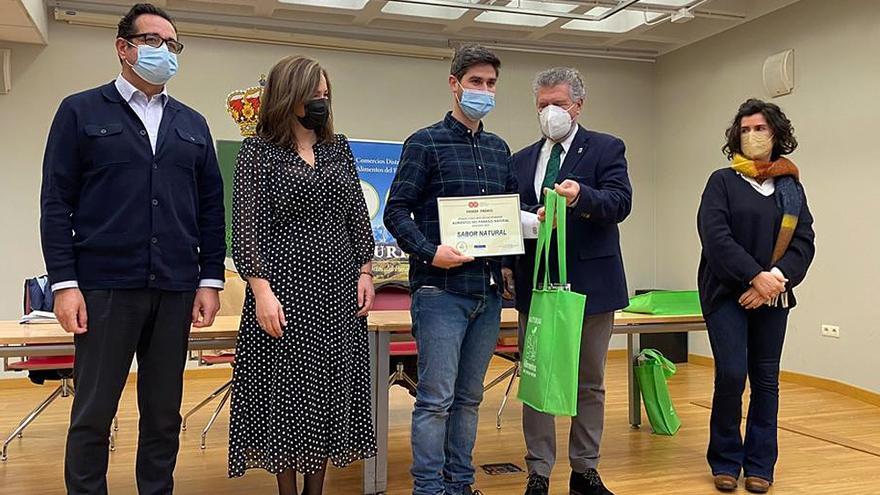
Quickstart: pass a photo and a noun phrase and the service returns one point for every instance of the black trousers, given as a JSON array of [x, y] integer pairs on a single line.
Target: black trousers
[[154, 325]]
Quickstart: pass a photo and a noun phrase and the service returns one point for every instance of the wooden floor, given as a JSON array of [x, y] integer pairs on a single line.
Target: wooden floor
[[829, 444]]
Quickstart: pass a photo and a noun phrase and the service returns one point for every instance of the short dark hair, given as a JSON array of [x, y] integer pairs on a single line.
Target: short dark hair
[[784, 141], [126, 27], [470, 55]]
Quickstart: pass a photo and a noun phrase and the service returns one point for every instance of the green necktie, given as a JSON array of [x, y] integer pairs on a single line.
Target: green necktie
[[552, 168]]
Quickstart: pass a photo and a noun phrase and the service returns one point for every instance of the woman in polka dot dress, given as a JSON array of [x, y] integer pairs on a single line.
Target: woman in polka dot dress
[[302, 240]]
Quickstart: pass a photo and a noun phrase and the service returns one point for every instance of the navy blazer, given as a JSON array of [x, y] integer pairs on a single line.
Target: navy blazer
[[595, 266], [113, 215]]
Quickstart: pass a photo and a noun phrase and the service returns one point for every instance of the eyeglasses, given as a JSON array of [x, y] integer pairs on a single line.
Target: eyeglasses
[[154, 40]]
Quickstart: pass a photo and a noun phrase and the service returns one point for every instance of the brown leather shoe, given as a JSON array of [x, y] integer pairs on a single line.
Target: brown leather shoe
[[757, 485], [725, 482]]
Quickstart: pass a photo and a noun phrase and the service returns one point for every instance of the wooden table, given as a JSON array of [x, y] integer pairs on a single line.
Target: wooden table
[[21, 341]]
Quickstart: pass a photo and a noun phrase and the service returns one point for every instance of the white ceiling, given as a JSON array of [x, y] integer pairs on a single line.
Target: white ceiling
[[404, 26]]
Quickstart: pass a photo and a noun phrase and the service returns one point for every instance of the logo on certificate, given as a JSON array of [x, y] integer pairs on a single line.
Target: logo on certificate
[[462, 247]]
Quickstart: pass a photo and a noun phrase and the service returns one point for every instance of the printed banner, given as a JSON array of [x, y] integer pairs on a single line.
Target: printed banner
[[376, 166]]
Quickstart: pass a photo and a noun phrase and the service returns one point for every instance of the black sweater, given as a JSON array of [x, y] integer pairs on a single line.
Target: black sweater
[[738, 227]]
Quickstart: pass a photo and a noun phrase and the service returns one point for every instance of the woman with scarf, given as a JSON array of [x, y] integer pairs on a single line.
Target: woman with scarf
[[757, 238]]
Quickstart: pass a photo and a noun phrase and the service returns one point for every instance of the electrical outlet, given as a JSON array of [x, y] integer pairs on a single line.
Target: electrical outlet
[[831, 331]]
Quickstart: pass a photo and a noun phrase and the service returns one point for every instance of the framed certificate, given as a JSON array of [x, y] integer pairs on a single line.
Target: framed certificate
[[481, 225]]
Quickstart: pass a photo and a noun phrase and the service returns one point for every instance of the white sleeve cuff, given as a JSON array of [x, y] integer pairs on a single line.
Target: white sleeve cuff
[[212, 283], [208, 282], [67, 284], [776, 271], [530, 224]]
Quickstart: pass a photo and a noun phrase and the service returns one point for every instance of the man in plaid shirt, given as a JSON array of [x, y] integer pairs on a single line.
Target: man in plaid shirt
[[456, 299]]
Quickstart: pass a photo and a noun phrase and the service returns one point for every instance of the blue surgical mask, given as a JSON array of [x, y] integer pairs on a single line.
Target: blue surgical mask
[[154, 65], [475, 103]]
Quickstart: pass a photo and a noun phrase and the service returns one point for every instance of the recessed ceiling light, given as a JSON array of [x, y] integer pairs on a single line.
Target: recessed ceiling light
[[620, 22], [430, 11], [335, 4], [669, 3], [526, 19]]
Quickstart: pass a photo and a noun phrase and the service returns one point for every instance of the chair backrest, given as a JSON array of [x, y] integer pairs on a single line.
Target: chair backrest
[[392, 298], [38, 295]]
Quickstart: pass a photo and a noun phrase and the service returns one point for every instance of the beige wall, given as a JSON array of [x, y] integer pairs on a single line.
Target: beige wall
[[671, 116], [376, 97], [834, 109]]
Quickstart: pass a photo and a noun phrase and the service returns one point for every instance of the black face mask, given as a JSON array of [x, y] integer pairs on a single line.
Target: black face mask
[[317, 114]]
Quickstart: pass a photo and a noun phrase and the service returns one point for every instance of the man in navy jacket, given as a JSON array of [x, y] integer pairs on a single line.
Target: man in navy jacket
[[589, 169], [132, 231]]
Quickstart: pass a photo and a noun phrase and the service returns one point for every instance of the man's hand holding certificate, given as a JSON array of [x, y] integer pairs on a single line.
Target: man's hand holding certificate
[[448, 257], [478, 226]]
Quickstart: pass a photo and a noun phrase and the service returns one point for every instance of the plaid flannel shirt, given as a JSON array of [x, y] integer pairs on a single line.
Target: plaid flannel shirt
[[446, 159]]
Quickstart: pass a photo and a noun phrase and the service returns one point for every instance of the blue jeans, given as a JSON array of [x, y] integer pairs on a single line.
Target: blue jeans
[[456, 336], [745, 343]]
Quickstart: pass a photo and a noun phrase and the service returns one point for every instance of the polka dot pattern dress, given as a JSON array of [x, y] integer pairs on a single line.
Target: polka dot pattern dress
[[303, 398]]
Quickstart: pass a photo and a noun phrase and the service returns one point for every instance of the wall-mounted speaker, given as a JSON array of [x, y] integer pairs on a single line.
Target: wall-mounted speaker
[[779, 73], [5, 71]]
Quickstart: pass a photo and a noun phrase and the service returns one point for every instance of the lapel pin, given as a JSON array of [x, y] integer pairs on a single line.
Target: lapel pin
[[580, 150]]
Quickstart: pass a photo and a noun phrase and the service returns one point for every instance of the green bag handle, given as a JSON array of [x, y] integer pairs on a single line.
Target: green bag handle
[[539, 250], [554, 205], [668, 366], [561, 245], [543, 240]]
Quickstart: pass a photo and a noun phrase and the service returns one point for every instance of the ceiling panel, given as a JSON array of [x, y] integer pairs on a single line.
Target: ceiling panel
[[442, 23], [401, 25]]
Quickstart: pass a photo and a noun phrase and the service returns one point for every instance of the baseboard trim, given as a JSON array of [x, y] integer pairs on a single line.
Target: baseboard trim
[[820, 383]]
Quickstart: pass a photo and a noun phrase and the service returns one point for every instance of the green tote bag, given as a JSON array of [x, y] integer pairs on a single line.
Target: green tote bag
[[652, 370], [666, 303], [552, 340]]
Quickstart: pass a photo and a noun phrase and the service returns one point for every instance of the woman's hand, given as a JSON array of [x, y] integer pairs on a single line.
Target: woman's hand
[[752, 299], [366, 294], [270, 313], [768, 285]]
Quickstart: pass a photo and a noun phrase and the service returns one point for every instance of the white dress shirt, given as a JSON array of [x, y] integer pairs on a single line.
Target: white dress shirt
[[150, 111]]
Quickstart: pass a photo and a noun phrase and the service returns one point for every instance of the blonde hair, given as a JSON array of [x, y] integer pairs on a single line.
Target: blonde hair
[[291, 82]]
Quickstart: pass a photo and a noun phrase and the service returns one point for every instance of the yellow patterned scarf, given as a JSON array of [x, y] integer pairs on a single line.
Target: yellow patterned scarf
[[789, 196]]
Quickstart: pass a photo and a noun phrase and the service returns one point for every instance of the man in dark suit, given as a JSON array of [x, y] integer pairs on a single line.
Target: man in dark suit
[[589, 169], [132, 231]]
